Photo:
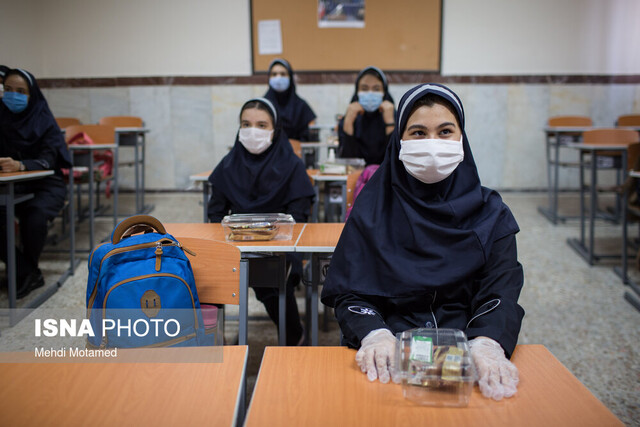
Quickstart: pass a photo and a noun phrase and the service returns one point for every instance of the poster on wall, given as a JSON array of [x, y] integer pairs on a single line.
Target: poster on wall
[[341, 13]]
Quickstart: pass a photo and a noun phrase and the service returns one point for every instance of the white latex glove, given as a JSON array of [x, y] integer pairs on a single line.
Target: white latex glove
[[377, 354], [497, 376]]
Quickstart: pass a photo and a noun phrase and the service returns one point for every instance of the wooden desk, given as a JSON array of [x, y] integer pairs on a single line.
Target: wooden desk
[[9, 199], [554, 143], [579, 245], [115, 393], [320, 240], [203, 177], [136, 137], [215, 231], [323, 386]]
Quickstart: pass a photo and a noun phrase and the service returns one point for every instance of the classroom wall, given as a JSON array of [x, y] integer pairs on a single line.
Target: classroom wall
[[192, 125]]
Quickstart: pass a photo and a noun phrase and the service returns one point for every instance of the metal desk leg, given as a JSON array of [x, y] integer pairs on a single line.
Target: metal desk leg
[[316, 202], [343, 214], [282, 301], [244, 301], [205, 200], [91, 207], [72, 220], [115, 187], [11, 248], [315, 279]]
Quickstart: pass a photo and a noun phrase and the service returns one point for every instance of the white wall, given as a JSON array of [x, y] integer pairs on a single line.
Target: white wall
[[494, 37], [108, 38]]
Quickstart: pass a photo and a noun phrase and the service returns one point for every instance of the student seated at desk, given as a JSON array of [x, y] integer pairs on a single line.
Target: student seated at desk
[[427, 246], [295, 113], [261, 174], [30, 139], [364, 130]]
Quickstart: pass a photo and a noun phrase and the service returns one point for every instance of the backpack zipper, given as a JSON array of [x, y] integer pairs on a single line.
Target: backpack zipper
[[168, 242]]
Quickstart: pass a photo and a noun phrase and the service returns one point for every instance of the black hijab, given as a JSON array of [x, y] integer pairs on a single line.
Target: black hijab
[[264, 182], [295, 113], [369, 128], [25, 130], [3, 71], [405, 237]]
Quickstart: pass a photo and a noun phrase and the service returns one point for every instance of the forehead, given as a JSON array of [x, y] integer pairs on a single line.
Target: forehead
[[255, 115], [369, 80], [16, 81], [431, 116], [279, 68]]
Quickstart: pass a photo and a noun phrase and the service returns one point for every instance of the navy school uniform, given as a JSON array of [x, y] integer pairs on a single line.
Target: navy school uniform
[[427, 255]]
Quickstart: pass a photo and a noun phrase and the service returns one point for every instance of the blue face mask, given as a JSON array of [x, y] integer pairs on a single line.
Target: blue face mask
[[279, 83], [16, 102], [370, 101]]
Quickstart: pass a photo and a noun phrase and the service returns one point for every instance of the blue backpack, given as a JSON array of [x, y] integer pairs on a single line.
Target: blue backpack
[[141, 291]]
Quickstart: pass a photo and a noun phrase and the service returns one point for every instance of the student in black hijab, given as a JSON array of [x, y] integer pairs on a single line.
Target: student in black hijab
[[295, 113], [261, 174], [30, 139], [364, 130], [427, 246]]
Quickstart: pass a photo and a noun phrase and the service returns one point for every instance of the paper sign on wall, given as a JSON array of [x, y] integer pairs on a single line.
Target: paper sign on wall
[[269, 37]]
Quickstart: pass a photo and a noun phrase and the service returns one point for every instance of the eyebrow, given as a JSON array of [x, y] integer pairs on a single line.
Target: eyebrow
[[419, 126]]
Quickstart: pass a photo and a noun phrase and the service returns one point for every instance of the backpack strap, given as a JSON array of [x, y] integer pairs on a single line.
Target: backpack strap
[[136, 224]]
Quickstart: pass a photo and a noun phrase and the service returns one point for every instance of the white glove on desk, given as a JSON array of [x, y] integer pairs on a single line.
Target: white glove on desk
[[377, 354], [497, 376]]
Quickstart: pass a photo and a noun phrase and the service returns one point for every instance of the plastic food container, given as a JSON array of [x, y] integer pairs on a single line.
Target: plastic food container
[[239, 227], [435, 366]]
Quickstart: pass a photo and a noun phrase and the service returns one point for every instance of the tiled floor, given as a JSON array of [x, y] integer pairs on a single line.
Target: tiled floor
[[576, 311]]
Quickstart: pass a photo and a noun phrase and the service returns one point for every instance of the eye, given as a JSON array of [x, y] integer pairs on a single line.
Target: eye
[[245, 124], [417, 132]]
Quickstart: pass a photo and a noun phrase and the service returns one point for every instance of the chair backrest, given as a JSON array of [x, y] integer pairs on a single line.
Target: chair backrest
[[633, 156], [629, 120], [122, 121], [216, 268], [610, 136], [297, 148], [100, 134], [570, 121], [64, 122], [352, 179]]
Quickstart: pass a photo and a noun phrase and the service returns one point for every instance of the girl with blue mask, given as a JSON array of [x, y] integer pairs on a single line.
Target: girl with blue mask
[[31, 140], [369, 120], [296, 115]]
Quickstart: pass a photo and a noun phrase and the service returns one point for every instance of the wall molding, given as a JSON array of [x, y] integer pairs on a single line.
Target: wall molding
[[398, 77]]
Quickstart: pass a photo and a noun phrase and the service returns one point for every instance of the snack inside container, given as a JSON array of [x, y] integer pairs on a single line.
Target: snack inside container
[[435, 366], [271, 226]]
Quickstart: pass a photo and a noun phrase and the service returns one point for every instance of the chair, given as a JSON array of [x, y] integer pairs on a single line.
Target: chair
[[216, 268], [628, 120], [122, 121], [99, 134], [297, 148], [64, 122]]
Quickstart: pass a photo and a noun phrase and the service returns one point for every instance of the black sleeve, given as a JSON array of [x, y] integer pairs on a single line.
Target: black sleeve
[[47, 155], [218, 206], [348, 144], [495, 308], [358, 315], [299, 209]]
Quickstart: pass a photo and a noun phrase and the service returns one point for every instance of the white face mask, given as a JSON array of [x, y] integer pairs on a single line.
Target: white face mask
[[255, 140], [431, 160]]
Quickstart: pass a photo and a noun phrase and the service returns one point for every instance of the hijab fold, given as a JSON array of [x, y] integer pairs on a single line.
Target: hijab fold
[[405, 237]]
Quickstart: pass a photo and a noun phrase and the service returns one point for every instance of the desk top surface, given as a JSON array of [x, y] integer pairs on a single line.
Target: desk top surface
[[200, 177], [322, 386], [598, 147], [91, 147], [23, 176], [215, 231], [123, 393], [320, 237], [132, 130]]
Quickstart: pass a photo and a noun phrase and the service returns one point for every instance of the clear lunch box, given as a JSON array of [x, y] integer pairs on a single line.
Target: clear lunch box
[[435, 366], [271, 226]]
